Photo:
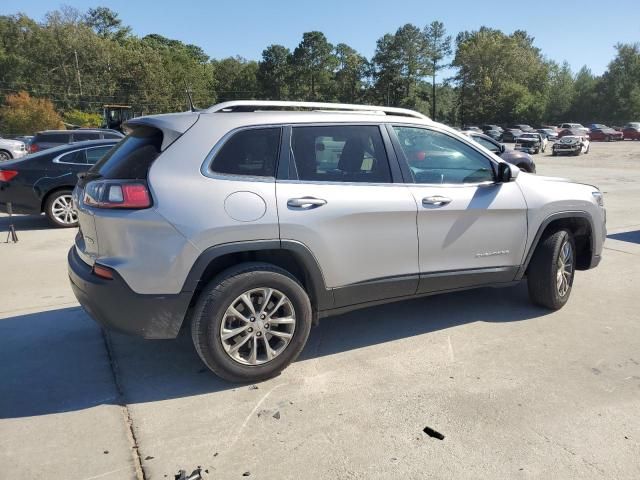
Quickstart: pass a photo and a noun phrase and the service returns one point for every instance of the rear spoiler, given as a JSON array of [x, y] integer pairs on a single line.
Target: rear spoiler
[[172, 125]]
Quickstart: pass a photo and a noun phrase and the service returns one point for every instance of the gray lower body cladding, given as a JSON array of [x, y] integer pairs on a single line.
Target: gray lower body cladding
[[115, 306]]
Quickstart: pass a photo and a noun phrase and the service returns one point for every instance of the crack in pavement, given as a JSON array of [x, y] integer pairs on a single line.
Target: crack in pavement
[[131, 435]]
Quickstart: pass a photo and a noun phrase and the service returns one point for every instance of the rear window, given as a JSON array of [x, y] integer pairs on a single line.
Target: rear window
[[133, 156], [252, 152]]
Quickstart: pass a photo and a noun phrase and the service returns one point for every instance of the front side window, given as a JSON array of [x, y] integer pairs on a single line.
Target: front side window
[[492, 147], [344, 153], [252, 152], [436, 158]]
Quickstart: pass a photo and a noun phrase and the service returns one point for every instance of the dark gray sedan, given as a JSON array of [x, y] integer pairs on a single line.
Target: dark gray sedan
[[522, 160]]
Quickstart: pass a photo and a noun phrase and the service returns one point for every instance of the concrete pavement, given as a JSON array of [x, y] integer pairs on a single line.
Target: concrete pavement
[[517, 392]]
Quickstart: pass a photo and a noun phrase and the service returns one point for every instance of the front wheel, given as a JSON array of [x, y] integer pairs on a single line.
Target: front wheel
[[5, 156], [251, 322], [59, 209], [551, 270]]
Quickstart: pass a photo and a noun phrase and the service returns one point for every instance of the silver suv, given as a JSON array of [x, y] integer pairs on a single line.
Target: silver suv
[[251, 220]]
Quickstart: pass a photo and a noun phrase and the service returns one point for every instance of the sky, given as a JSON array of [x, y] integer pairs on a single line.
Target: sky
[[581, 32]]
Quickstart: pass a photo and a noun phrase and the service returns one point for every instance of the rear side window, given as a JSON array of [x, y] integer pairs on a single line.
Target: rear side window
[[54, 138], [76, 157], [252, 152], [132, 157], [94, 154], [82, 136], [346, 153], [112, 135]]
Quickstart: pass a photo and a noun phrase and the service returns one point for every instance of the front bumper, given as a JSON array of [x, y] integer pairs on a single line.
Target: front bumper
[[116, 307]]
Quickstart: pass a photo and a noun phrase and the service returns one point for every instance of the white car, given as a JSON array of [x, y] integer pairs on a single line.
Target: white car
[[11, 149], [571, 145], [574, 126]]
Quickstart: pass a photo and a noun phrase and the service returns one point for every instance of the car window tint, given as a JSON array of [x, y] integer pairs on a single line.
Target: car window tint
[[345, 153], [75, 157], [487, 144], [437, 158], [251, 152], [82, 136], [54, 138], [95, 154]]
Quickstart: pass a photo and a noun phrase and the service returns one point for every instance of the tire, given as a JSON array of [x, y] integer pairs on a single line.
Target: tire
[[59, 209], [212, 313], [524, 168], [608, 139], [5, 156], [553, 153], [545, 288]]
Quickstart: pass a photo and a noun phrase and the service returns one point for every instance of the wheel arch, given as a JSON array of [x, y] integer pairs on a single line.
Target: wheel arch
[[292, 256], [48, 194], [579, 223], [4, 150]]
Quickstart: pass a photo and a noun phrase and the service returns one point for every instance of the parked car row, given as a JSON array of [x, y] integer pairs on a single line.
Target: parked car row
[[595, 131]]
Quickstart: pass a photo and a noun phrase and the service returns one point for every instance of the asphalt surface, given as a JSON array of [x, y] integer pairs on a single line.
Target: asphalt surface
[[516, 391]]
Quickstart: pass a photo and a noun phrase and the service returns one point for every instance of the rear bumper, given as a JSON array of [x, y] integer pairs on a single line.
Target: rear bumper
[[116, 307]]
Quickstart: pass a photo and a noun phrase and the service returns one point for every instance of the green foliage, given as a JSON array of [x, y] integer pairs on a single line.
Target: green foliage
[[78, 118], [438, 45], [501, 77], [24, 114], [274, 72], [312, 63], [81, 61]]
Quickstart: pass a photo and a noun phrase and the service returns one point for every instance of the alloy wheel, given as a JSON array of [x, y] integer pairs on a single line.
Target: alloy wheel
[[258, 326], [63, 211], [565, 269]]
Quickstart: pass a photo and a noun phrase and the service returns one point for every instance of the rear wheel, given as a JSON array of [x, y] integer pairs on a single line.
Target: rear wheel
[[5, 156], [59, 209], [251, 322], [551, 271]]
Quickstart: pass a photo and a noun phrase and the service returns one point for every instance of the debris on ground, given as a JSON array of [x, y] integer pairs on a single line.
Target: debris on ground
[[276, 415], [433, 433], [253, 387], [195, 475]]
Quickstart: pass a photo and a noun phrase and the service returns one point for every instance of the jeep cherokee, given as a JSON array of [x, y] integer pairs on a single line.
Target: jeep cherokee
[[252, 219]]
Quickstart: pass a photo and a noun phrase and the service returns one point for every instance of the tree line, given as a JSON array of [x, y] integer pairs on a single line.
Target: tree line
[[81, 60]]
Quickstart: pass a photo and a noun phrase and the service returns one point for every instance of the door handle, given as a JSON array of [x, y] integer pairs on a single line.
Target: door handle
[[306, 203], [436, 200]]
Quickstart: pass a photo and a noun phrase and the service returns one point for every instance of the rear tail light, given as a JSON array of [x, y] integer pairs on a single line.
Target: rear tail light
[[117, 194], [33, 148], [7, 175]]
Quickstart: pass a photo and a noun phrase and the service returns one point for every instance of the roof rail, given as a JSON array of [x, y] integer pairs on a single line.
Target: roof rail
[[256, 105]]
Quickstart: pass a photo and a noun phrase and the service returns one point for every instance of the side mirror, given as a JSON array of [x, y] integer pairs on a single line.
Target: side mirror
[[502, 148], [507, 172]]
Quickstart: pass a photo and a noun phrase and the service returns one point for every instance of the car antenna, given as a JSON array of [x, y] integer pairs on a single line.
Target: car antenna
[[187, 90]]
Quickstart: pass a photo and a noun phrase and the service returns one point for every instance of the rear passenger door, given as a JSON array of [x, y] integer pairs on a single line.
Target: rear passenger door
[[343, 198]]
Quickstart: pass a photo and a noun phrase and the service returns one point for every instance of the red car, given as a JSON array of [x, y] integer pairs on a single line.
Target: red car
[[631, 131], [605, 134]]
